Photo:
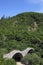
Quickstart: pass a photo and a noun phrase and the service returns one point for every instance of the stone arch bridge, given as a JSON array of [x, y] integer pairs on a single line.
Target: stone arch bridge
[[17, 54]]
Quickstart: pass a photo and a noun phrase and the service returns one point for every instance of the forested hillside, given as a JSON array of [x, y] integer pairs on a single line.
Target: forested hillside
[[22, 31]]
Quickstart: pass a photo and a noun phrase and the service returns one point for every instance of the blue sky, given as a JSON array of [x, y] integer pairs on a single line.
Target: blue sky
[[13, 7]]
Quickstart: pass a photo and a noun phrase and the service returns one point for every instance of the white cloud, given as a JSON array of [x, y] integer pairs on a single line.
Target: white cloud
[[41, 11]]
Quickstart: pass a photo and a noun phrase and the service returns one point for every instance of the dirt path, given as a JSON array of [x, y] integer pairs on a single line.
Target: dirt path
[[19, 63]]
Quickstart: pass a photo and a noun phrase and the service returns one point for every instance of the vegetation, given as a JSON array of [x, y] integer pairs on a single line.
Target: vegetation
[[31, 59], [23, 30], [8, 62]]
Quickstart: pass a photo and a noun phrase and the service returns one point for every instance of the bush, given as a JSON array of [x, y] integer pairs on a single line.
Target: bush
[[8, 62], [41, 63], [31, 59]]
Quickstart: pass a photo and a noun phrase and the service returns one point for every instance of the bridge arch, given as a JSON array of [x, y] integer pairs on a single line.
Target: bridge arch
[[17, 56], [31, 51]]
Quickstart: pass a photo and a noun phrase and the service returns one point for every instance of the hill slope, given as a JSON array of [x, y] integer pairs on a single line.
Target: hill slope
[[22, 31]]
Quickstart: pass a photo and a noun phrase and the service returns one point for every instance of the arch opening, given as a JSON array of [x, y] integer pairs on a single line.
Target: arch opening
[[18, 57], [31, 51]]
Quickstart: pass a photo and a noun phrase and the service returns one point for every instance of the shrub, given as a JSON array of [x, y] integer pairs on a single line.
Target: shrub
[[41, 63], [31, 59], [8, 62]]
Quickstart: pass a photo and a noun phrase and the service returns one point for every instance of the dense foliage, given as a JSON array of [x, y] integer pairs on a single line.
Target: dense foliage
[[23, 30], [8, 62], [31, 59]]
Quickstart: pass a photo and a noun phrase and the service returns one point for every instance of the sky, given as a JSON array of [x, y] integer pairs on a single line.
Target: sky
[[14, 7]]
